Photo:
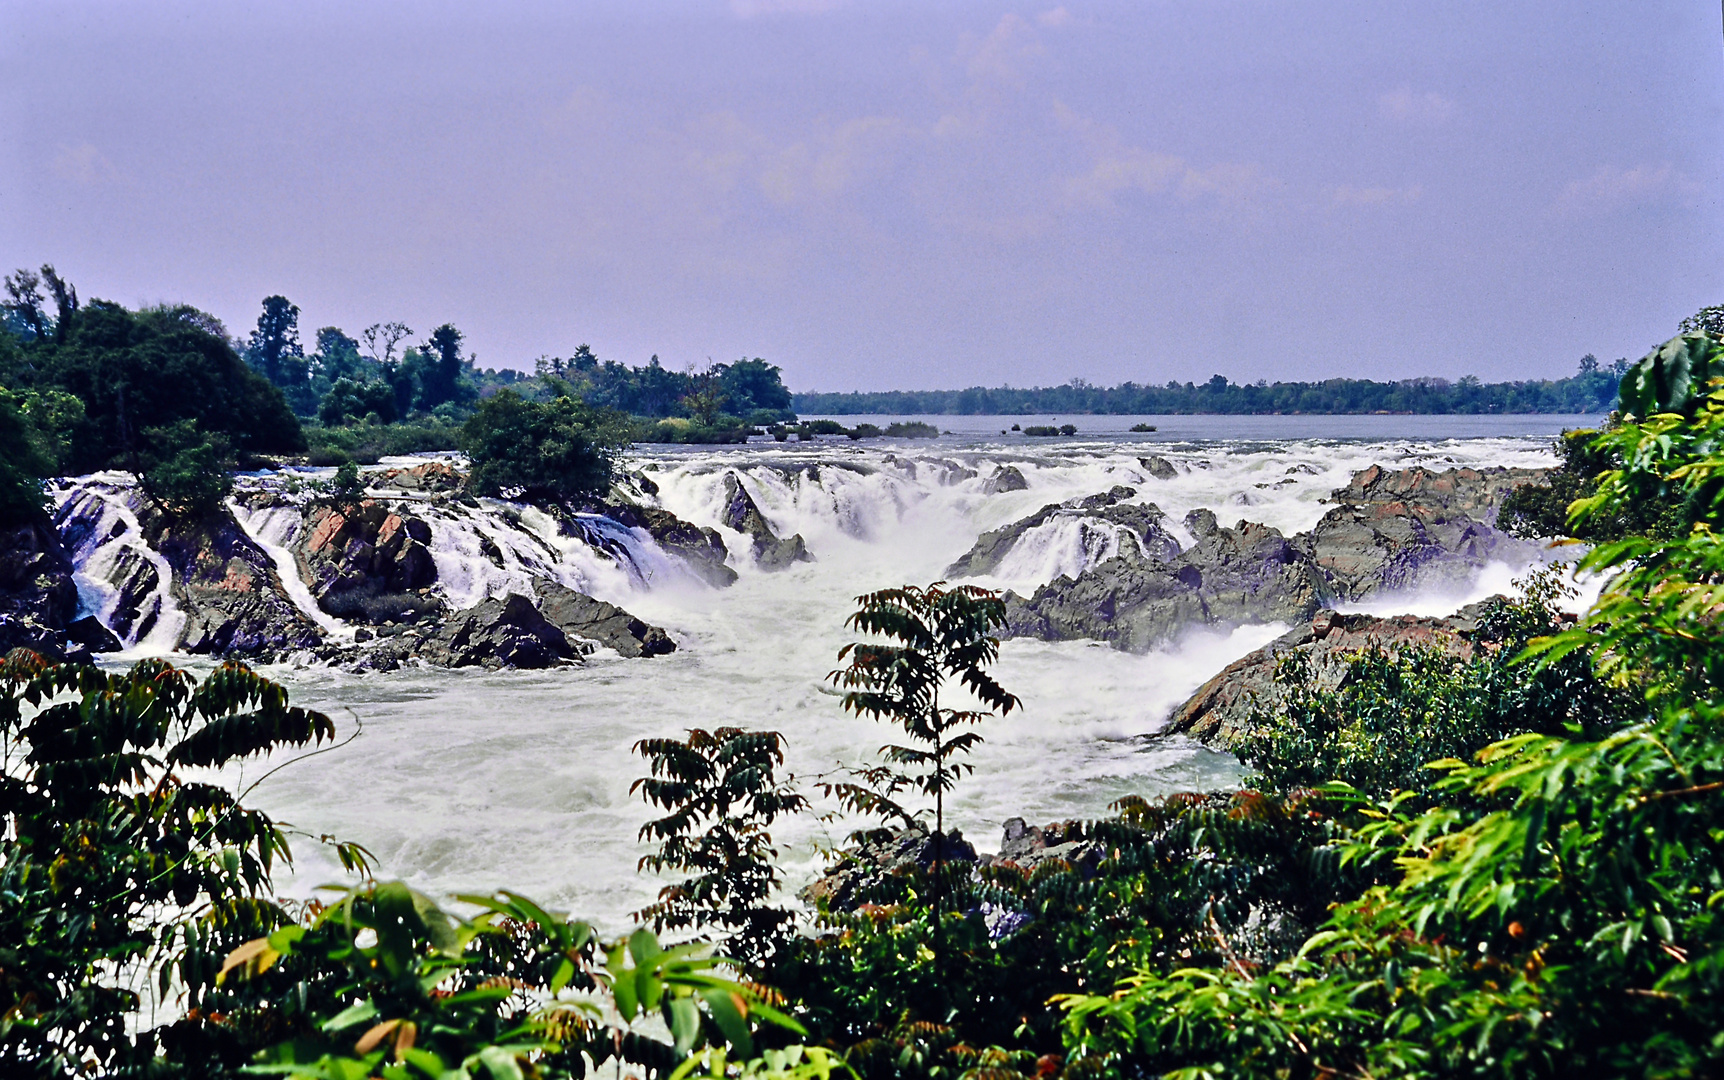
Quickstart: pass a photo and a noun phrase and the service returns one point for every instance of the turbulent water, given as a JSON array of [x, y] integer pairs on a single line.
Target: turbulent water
[[463, 780]]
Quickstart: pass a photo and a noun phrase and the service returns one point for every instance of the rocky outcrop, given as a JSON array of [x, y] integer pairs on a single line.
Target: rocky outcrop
[[509, 632], [368, 563], [1143, 521], [227, 588], [849, 882], [1158, 467], [741, 513], [1135, 601], [38, 601], [1005, 478], [702, 549], [1222, 707], [1392, 530], [431, 478], [580, 616]]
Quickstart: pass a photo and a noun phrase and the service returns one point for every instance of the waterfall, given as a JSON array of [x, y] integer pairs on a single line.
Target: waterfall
[[273, 529], [100, 527]]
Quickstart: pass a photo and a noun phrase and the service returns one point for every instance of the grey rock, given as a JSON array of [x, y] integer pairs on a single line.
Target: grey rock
[[741, 513], [1005, 478], [702, 549], [509, 632], [38, 601], [1221, 710], [228, 588], [581, 616], [371, 563], [1142, 521], [845, 885], [1158, 467]]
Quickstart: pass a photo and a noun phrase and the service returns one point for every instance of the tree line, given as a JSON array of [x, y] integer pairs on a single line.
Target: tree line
[[1591, 389]]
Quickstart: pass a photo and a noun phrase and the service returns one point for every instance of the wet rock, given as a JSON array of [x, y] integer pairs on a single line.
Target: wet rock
[[1158, 467], [38, 601], [1143, 521], [741, 513], [509, 632], [702, 549], [89, 633], [848, 883], [432, 477], [581, 616], [1221, 709], [1028, 846], [227, 587], [1005, 478], [369, 563], [1250, 573]]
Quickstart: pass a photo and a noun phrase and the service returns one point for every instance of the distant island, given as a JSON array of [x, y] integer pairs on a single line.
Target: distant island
[[1592, 389]]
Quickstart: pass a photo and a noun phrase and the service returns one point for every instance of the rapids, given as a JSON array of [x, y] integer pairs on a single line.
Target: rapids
[[470, 780]]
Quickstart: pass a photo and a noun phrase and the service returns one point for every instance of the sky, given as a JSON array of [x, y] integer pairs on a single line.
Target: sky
[[881, 195]]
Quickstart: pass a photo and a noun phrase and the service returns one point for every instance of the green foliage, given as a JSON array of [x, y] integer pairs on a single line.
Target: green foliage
[[349, 400], [185, 472], [135, 371], [28, 455], [1553, 906], [385, 983], [723, 794], [1376, 725], [561, 449], [1672, 377], [344, 491], [913, 429], [116, 870], [366, 442], [941, 634]]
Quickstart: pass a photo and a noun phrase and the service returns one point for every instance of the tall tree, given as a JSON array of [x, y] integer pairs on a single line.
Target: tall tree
[[276, 338], [440, 378]]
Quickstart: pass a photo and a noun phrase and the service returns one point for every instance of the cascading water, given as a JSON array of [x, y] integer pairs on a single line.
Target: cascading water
[[468, 780], [275, 529], [121, 580]]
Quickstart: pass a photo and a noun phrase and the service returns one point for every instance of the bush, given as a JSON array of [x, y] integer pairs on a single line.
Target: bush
[[350, 400], [561, 449], [914, 429], [367, 442], [186, 473]]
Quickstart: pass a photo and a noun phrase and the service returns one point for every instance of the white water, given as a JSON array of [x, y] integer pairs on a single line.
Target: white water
[[273, 529], [104, 559], [469, 780]]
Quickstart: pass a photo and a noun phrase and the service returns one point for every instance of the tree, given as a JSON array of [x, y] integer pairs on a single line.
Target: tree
[[723, 794], [1708, 320], [337, 356], [349, 400], [275, 340], [560, 449], [752, 385], [440, 373], [186, 472], [26, 459], [933, 636]]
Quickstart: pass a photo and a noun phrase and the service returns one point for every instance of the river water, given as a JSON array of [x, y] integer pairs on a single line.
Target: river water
[[470, 780]]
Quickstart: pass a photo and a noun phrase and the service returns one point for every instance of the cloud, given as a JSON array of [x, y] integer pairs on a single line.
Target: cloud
[[1405, 106], [1055, 18], [1610, 187], [82, 164], [753, 9], [1001, 55], [1349, 195], [1119, 167]]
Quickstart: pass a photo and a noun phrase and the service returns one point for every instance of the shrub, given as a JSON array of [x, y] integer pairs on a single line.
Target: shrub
[[185, 472], [560, 449], [914, 429]]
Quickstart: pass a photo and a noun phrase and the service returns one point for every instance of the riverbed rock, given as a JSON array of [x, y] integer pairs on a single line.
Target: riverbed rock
[[1005, 478], [1136, 600], [1221, 709], [581, 616], [498, 633], [849, 882], [38, 600], [228, 589], [701, 548], [1393, 530], [1158, 467], [741, 513], [1143, 521], [433, 477], [368, 563]]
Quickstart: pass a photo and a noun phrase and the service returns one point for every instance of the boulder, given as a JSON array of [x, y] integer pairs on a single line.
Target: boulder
[[741, 513], [227, 587], [368, 563], [581, 616], [846, 884], [1005, 478], [1143, 521], [432, 477], [1135, 601], [509, 632], [38, 600], [1158, 467], [1221, 708], [702, 549]]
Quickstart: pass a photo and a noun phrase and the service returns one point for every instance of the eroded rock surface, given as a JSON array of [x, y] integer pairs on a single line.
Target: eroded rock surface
[[702, 549], [507, 632], [38, 600], [1005, 478], [1399, 530], [368, 563], [1142, 521], [227, 587], [741, 513], [581, 616]]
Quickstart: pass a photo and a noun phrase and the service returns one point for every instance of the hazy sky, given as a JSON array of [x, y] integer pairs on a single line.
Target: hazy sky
[[879, 195]]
